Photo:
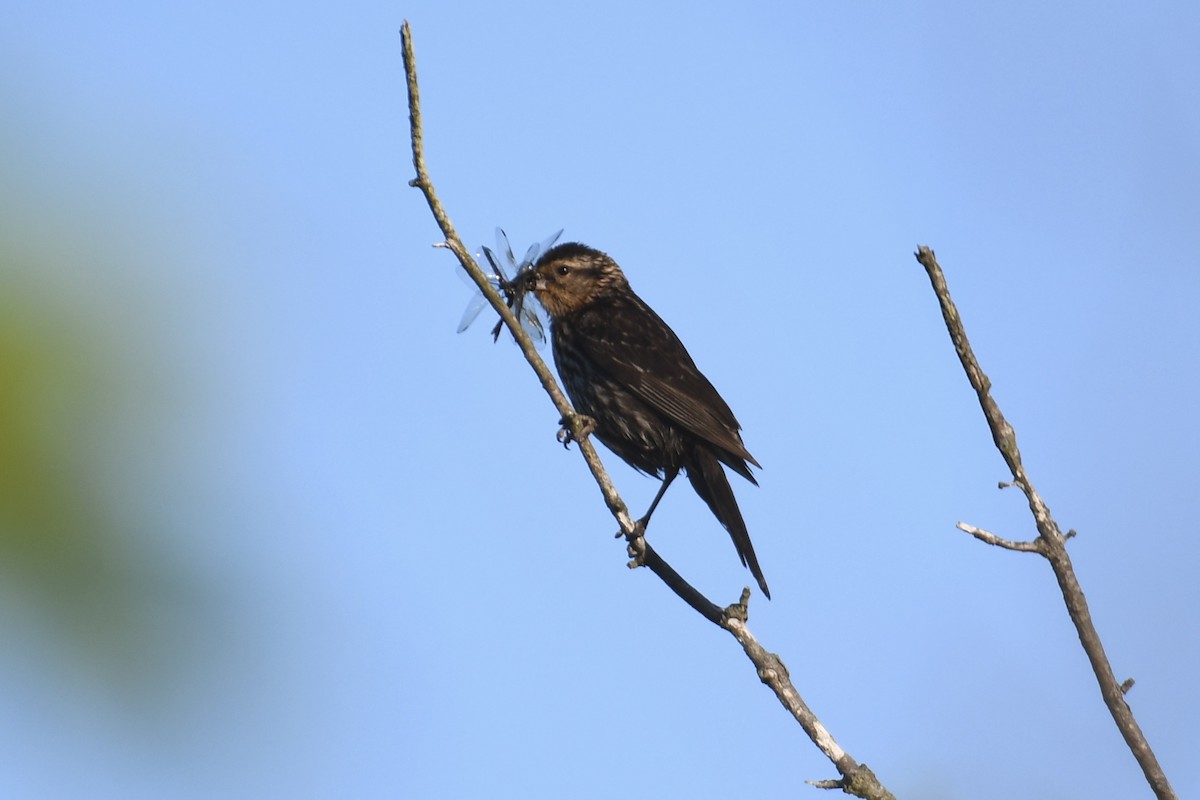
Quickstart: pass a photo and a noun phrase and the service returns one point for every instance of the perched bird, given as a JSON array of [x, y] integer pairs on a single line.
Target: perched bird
[[623, 367]]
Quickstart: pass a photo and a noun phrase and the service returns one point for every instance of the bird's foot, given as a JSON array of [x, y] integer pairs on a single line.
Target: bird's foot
[[636, 550], [741, 609], [575, 429], [639, 529]]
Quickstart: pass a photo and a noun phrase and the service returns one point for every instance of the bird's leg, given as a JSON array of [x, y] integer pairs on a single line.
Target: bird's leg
[[566, 434], [640, 525]]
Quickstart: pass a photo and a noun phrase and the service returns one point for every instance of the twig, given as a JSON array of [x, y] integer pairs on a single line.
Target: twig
[[987, 537], [856, 778], [1050, 541]]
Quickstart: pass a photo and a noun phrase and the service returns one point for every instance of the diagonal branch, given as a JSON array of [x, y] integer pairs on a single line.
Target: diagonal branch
[[856, 778], [1050, 541], [643, 554], [456, 246]]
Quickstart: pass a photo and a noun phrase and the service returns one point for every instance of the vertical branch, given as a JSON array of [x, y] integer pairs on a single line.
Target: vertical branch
[[1050, 541]]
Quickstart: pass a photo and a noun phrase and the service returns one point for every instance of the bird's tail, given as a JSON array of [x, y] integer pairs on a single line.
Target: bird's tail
[[710, 482]]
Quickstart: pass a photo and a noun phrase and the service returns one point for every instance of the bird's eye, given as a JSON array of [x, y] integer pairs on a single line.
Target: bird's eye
[[563, 269]]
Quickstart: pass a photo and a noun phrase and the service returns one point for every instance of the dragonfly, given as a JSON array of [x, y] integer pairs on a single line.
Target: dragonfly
[[515, 291]]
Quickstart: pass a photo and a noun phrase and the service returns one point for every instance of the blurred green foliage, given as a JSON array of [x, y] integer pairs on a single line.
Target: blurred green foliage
[[84, 563]]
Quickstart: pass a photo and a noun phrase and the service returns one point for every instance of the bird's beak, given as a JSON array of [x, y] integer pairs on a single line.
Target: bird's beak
[[534, 283]]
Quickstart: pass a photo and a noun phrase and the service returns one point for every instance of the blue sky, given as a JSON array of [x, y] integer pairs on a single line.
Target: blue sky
[[400, 585]]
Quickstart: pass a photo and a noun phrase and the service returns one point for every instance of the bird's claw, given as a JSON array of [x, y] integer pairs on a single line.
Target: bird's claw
[[639, 529], [566, 435], [741, 609], [636, 551]]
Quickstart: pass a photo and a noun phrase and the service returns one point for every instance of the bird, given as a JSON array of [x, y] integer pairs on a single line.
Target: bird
[[626, 370]]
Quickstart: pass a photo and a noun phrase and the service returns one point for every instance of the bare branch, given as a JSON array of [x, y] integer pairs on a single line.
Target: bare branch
[[1050, 542], [987, 537], [455, 245], [856, 779]]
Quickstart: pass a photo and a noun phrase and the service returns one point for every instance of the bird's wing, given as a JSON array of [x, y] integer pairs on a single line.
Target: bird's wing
[[646, 356]]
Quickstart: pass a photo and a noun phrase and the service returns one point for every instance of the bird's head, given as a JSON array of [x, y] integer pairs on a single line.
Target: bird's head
[[572, 276]]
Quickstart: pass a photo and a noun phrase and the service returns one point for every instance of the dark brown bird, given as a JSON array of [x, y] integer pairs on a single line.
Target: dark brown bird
[[623, 367]]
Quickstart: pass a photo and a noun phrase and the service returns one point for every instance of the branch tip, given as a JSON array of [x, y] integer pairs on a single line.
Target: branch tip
[[987, 537], [827, 784]]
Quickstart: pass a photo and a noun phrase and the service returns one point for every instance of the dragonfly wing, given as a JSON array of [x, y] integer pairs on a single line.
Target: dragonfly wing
[[549, 241], [525, 306], [505, 250], [478, 301], [531, 255], [474, 306]]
